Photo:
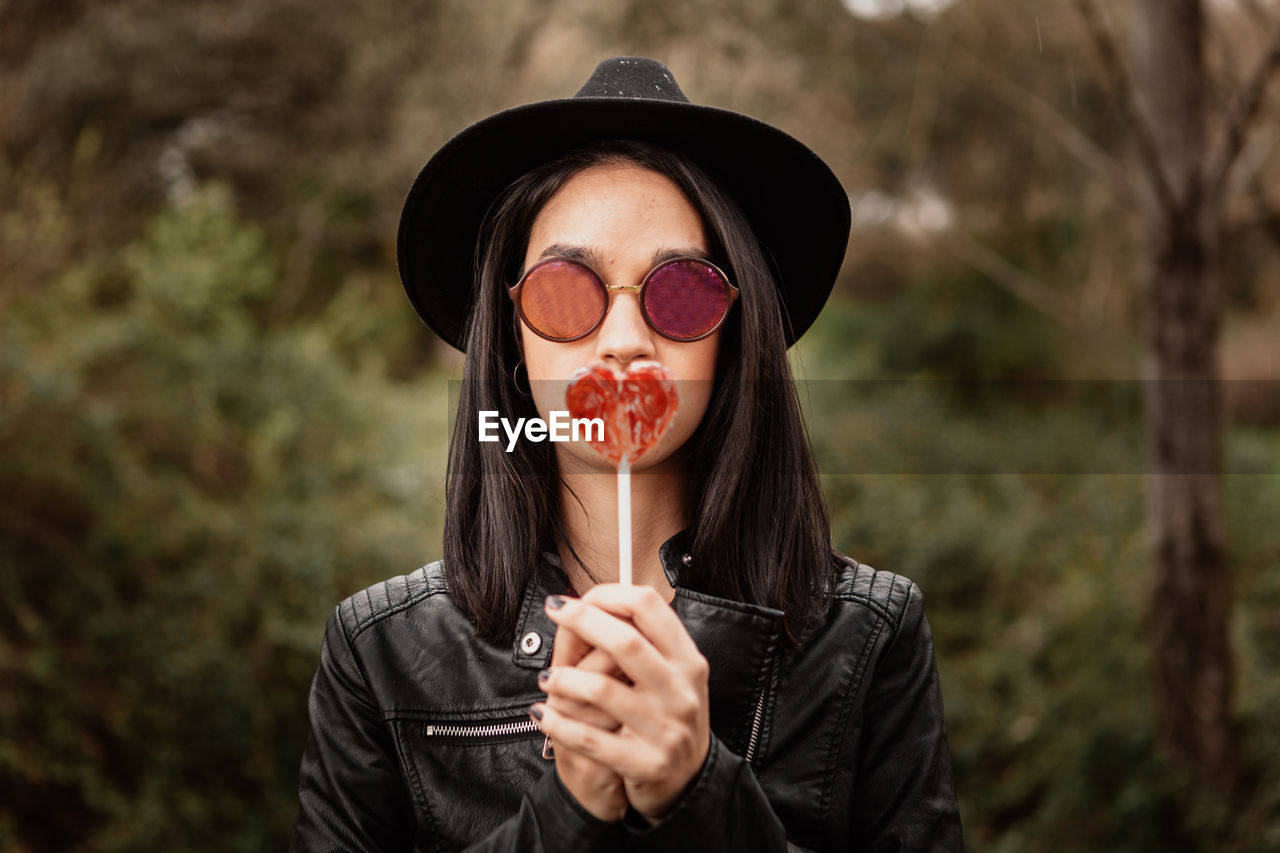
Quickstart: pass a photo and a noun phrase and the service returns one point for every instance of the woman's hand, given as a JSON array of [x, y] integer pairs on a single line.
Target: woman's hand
[[664, 712], [597, 660], [596, 787]]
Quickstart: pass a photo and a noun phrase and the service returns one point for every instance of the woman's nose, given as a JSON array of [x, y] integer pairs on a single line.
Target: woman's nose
[[624, 336]]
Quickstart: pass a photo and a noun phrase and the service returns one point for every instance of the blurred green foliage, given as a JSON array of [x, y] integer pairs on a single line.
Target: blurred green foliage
[[186, 498], [218, 416]]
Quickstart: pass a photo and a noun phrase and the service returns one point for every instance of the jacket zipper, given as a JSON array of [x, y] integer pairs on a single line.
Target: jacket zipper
[[516, 727], [755, 728], [758, 718]]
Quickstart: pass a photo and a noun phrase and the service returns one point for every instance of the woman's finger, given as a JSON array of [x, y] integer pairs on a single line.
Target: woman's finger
[[598, 660], [598, 663], [602, 694], [629, 648], [615, 750], [651, 615], [569, 649], [572, 650], [589, 714]]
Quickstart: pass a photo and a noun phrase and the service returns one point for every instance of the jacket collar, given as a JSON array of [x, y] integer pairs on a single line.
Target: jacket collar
[[738, 640], [534, 652]]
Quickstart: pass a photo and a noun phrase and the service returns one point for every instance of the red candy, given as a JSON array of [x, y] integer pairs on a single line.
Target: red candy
[[637, 406]]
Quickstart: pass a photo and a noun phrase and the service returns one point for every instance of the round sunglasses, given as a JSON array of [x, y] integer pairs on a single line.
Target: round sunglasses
[[683, 299]]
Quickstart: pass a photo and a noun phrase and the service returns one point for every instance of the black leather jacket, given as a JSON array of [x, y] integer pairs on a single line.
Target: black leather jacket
[[420, 737]]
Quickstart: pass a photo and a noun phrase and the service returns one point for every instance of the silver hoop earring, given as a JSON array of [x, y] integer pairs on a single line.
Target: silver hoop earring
[[515, 379]]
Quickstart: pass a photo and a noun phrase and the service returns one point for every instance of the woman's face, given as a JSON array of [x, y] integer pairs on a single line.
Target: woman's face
[[620, 218]]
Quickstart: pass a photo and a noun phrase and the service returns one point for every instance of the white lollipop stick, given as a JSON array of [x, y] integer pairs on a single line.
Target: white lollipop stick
[[624, 522]]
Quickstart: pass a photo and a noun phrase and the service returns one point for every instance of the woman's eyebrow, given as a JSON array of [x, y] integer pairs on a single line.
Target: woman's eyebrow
[[594, 258], [687, 252], [586, 254]]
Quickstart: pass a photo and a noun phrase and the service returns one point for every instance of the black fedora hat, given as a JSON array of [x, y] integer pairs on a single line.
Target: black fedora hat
[[796, 206]]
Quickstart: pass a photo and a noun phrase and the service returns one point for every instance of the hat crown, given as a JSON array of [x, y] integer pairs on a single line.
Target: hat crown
[[632, 77]]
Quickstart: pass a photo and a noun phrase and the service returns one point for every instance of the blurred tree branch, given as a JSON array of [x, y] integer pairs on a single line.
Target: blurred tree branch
[[1050, 302], [1243, 117], [1239, 122], [1107, 341], [1126, 99], [1267, 214], [1053, 123], [1260, 15], [535, 17]]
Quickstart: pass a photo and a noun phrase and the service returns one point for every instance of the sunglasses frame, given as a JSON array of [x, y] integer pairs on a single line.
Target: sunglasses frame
[[638, 289]]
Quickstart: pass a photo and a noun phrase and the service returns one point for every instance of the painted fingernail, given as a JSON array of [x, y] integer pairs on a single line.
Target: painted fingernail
[[554, 602], [535, 712], [543, 676]]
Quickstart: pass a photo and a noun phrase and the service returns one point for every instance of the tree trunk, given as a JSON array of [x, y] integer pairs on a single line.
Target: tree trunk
[[1181, 306]]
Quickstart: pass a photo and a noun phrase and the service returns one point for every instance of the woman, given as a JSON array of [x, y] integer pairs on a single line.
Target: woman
[[752, 689]]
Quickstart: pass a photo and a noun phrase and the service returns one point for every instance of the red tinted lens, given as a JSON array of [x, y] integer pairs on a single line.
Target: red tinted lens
[[561, 299], [686, 299]]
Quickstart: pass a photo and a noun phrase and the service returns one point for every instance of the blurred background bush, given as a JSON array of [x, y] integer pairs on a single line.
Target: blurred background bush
[[219, 416]]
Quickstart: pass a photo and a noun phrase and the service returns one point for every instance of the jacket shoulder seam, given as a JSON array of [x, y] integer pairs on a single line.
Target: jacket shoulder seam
[[386, 598], [884, 593]]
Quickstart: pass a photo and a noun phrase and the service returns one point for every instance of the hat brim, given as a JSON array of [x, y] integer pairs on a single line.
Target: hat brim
[[797, 208]]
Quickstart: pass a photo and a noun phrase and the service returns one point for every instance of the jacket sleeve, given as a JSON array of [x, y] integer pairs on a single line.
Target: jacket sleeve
[[904, 797], [724, 809], [353, 797]]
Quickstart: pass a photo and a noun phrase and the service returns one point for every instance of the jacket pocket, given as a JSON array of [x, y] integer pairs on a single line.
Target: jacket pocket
[[468, 776]]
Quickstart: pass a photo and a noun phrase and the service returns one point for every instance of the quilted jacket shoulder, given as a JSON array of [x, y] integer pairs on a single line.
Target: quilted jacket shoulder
[[366, 607], [885, 593]]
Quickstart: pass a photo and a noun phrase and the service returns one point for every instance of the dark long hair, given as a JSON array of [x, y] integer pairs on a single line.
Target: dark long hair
[[758, 528]]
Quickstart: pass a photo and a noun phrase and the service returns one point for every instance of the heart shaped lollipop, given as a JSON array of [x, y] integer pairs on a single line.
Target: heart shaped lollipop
[[637, 406]]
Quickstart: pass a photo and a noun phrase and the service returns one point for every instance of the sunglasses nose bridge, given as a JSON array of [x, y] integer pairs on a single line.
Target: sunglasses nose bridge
[[623, 288], [624, 334]]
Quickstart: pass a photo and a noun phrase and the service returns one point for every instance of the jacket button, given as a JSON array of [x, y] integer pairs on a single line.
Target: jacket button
[[687, 559], [530, 643]]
